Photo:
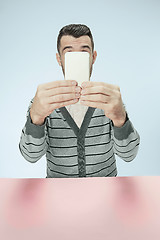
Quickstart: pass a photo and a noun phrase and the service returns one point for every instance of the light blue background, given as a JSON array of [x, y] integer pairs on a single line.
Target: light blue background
[[127, 39]]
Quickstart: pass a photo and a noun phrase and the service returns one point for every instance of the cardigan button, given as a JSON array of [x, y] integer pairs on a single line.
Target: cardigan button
[[81, 170]]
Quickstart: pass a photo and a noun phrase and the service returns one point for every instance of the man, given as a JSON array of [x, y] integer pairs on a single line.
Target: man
[[78, 149]]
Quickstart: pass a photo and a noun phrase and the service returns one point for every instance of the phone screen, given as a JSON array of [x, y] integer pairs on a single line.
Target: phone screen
[[77, 66]]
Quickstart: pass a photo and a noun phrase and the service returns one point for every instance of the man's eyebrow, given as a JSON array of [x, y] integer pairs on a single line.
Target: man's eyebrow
[[86, 46], [66, 48]]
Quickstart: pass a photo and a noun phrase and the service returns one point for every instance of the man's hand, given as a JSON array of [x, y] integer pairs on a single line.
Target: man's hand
[[104, 96], [53, 95]]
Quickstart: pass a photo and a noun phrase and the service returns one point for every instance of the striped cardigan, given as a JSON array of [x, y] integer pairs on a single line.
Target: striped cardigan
[[72, 152]]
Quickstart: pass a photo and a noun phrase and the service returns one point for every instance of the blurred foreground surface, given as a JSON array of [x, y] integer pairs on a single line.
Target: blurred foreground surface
[[80, 209]]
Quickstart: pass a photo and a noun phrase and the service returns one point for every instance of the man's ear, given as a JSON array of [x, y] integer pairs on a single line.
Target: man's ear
[[94, 56], [58, 59]]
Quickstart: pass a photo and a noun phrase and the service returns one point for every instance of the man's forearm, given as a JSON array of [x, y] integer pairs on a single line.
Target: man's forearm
[[33, 142], [126, 141]]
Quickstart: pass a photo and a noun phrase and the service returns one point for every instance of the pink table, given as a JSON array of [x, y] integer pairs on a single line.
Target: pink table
[[80, 209]]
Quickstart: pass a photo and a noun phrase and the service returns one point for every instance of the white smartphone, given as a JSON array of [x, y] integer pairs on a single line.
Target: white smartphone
[[77, 66]]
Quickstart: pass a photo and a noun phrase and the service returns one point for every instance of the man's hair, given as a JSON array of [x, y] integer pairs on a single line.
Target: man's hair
[[74, 30]]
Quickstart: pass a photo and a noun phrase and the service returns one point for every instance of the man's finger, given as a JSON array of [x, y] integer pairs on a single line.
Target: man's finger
[[93, 104], [63, 98], [87, 84], [96, 89], [59, 83], [62, 90], [63, 104], [101, 98]]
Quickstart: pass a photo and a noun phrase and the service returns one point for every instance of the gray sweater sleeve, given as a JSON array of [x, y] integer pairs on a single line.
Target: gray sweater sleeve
[[34, 140], [126, 141]]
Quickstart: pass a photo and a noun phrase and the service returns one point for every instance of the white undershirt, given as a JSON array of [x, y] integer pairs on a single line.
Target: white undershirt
[[77, 111]]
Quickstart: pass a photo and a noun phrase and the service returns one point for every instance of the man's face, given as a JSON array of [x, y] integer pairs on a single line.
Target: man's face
[[71, 44]]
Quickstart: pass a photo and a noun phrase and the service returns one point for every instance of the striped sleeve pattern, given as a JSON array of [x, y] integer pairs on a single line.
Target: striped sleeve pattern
[[33, 141], [126, 141]]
